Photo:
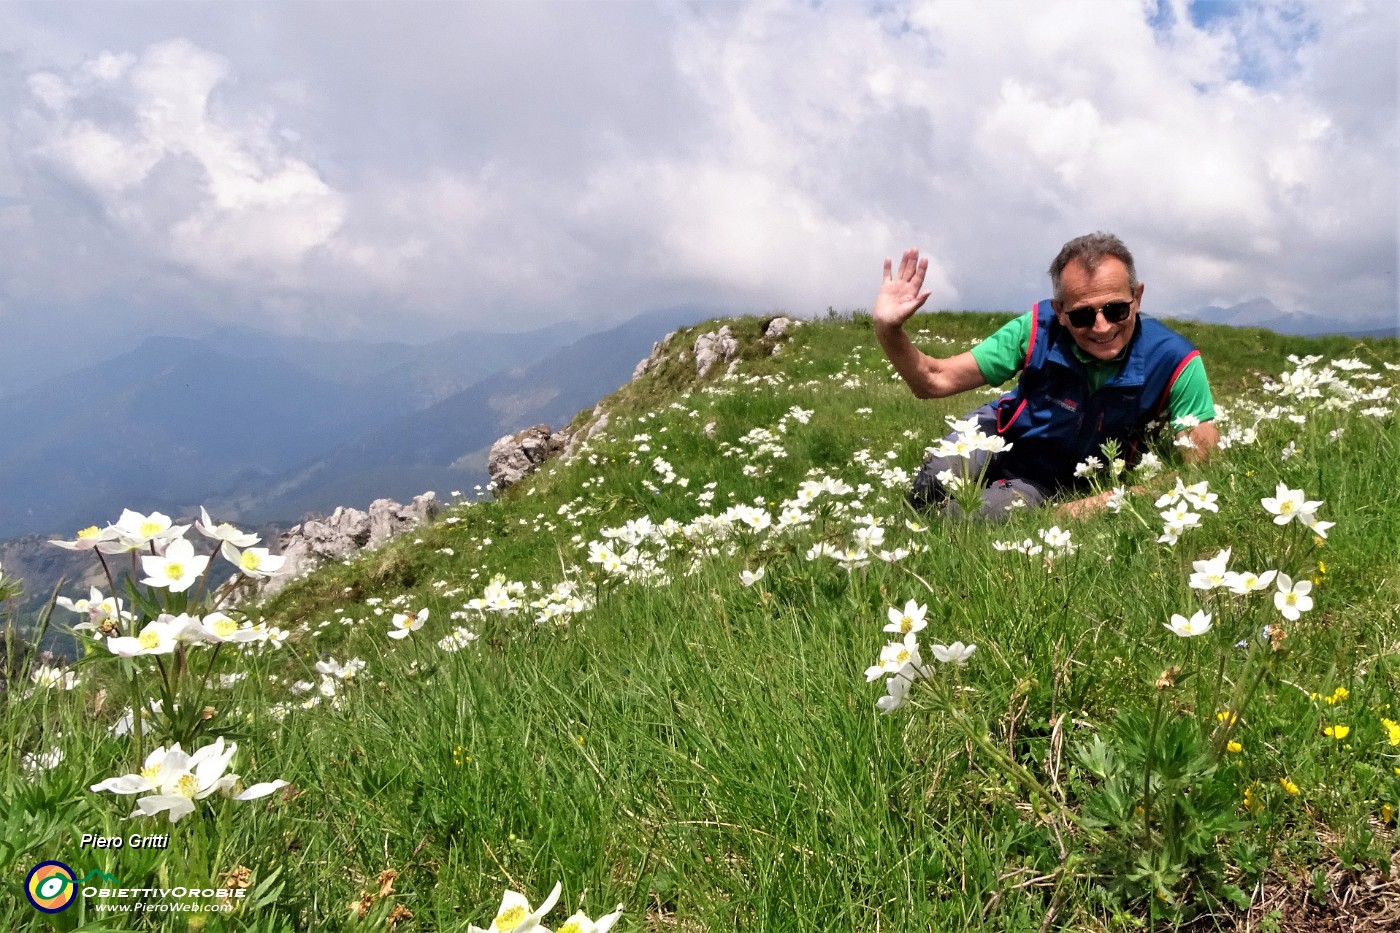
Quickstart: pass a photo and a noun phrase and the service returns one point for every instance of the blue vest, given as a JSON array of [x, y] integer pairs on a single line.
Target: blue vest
[[1053, 419]]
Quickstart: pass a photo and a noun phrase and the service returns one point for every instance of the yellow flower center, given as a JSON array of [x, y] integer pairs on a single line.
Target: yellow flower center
[[175, 571], [906, 625], [224, 627], [148, 639], [91, 531], [510, 918], [151, 529], [151, 772], [250, 561], [187, 786], [573, 925]]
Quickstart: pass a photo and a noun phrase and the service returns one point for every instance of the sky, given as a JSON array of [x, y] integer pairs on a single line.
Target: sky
[[402, 170]]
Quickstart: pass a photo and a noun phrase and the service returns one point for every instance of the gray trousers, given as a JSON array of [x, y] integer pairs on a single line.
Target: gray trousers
[[1000, 492]]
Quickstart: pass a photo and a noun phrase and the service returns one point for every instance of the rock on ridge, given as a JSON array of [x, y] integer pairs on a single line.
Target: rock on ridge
[[343, 533], [654, 358], [516, 456], [718, 347]]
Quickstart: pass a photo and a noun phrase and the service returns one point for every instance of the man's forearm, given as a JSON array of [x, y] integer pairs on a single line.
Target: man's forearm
[[908, 360]]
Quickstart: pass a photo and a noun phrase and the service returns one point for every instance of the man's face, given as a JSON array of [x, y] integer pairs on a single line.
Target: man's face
[[1108, 283]]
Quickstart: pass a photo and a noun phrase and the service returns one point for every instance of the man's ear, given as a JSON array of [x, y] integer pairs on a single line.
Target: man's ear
[[1140, 287]]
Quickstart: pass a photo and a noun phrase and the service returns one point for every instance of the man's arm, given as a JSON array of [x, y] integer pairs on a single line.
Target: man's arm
[[1199, 442], [900, 296], [1204, 440]]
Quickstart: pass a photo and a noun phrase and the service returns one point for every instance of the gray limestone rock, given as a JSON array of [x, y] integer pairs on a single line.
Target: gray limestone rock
[[516, 456], [719, 347]]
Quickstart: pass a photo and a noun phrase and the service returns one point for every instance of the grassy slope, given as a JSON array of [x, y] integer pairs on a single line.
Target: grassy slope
[[709, 754]]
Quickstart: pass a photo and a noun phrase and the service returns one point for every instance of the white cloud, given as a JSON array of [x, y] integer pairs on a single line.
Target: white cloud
[[449, 164], [217, 193]]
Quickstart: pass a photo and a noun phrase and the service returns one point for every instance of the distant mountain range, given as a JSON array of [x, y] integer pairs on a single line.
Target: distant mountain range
[[1261, 312], [444, 446], [270, 428]]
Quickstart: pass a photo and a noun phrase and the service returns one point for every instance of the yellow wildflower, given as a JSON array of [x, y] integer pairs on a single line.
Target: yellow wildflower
[[1387, 813], [1251, 800], [1233, 747], [1288, 785], [1227, 717], [1337, 732], [1338, 695], [1392, 729]]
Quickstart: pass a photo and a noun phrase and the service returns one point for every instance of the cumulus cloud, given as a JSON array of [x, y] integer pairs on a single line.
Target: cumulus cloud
[[217, 193], [454, 165]]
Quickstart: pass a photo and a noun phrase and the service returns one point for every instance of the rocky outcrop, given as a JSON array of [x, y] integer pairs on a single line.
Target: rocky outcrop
[[718, 347], [654, 358], [343, 533], [779, 327], [596, 422], [516, 456]]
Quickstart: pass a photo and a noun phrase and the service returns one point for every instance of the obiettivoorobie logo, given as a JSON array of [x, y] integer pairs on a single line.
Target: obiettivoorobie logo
[[52, 886]]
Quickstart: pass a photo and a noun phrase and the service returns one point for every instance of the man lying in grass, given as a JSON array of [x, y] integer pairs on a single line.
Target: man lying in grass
[[1093, 371]]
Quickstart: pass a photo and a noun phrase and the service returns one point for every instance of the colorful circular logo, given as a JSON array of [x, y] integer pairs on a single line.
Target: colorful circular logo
[[50, 887]]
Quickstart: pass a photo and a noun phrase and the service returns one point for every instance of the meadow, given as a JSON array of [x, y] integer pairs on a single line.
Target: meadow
[[713, 672]]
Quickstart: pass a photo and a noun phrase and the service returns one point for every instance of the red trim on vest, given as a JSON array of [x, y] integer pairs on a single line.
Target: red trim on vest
[[1002, 428], [1030, 344], [1162, 402]]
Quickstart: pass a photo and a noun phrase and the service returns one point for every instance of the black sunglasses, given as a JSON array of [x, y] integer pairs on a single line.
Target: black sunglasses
[[1115, 312]]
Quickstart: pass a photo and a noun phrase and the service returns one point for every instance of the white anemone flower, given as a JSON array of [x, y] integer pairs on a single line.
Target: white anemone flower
[[1198, 624], [895, 656], [579, 923], [38, 762], [202, 774], [217, 627], [176, 569], [515, 915], [1287, 504], [404, 623], [255, 561], [134, 531], [161, 766], [956, 653], [88, 538], [80, 606], [1246, 582], [896, 695], [750, 577], [49, 677], [910, 619], [1210, 573], [1292, 599], [158, 637], [223, 532], [1310, 521]]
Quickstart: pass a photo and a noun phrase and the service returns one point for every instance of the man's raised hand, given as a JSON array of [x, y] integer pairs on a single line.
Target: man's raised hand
[[900, 294]]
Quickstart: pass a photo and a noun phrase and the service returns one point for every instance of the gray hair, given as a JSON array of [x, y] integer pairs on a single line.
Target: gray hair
[[1090, 249]]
